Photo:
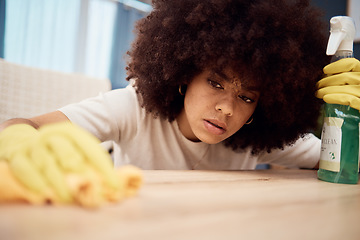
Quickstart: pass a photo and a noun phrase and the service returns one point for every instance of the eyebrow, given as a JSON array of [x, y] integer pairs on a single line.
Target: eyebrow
[[245, 86], [221, 74]]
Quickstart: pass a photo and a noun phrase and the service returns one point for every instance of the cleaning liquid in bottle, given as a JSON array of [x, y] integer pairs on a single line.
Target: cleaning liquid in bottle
[[339, 158]]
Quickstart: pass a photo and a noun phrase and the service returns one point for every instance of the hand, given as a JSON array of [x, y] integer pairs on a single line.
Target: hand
[[341, 84], [61, 163]]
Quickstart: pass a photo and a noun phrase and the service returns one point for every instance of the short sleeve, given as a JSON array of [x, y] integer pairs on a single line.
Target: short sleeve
[[109, 116]]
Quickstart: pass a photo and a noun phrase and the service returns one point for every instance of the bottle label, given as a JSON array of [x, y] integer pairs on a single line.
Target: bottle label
[[331, 144]]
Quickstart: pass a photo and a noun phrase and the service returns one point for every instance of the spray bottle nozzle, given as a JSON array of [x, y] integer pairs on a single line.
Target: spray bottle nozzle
[[342, 34]]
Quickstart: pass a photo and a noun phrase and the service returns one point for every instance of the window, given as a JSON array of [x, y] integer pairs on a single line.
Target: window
[[83, 36]]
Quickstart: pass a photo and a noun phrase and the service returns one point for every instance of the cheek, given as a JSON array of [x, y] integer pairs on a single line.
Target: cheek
[[244, 113], [236, 125], [195, 102], [190, 108]]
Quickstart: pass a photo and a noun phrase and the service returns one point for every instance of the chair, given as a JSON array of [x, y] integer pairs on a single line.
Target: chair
[[26, 91]]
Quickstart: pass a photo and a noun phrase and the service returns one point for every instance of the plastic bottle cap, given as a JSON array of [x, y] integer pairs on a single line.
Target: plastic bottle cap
[[342, 34]]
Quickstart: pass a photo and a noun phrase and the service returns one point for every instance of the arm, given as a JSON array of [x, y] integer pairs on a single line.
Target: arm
[[304, 153], [37, 121]]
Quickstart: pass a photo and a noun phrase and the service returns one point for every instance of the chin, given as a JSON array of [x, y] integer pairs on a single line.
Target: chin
[[210, 140]]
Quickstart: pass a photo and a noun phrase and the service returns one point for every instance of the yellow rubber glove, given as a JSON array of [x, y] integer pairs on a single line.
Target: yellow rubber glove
[[341, 84], [61, 163]]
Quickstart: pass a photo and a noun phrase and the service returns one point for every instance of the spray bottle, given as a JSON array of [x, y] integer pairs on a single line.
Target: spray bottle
[[339, 158]]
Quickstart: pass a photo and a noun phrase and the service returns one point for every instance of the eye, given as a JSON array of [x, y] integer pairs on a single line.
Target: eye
[[246, 99], [215, 84]]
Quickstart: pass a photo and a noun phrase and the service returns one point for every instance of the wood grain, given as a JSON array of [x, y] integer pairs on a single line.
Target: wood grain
[[264, 204]]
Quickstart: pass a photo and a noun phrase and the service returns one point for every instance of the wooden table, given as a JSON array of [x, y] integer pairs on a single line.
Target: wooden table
[[264, 204]]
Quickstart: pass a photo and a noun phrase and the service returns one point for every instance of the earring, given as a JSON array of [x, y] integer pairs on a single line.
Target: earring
[[181, 90], [249, 121]]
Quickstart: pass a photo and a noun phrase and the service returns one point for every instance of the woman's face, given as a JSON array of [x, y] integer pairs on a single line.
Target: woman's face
[[216, 106]]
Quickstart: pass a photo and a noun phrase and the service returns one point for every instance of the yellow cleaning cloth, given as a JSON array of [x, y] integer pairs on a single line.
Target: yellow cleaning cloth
[[87, 189], [60, 164]]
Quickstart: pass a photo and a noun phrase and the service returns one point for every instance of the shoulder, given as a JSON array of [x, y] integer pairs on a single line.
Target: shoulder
[[121, 96], [107, 114]]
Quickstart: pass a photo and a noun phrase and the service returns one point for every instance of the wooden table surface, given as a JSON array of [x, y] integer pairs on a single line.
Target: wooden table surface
[[262, 204]]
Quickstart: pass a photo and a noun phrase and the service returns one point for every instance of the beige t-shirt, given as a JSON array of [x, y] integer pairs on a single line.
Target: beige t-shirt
[[153, 143]]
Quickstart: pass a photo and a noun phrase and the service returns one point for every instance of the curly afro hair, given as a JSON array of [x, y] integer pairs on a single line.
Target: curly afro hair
[[280, 44]]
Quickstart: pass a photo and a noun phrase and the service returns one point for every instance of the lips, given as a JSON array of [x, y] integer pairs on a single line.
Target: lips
[[214, 126]]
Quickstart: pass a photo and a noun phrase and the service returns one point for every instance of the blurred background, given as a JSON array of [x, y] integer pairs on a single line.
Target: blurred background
[[91, 36]]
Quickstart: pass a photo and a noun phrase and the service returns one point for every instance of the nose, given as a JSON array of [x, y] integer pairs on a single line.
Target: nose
[[225, 105]]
